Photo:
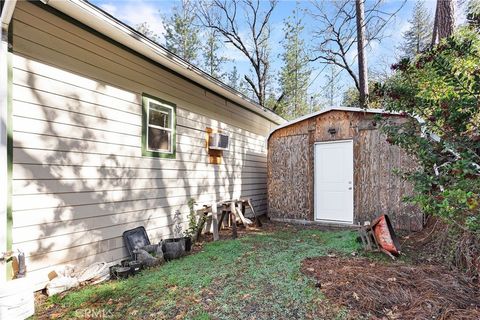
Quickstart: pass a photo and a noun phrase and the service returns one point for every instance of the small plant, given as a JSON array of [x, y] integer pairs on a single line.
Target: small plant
[[193, 221], [177, 229]]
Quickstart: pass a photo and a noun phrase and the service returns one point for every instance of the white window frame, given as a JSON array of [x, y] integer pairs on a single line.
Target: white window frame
[[170, 116], [146, 105]]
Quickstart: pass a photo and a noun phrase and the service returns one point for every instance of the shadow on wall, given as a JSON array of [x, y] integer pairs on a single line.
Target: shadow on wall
[[246, 173], [74, 194], [241, 173], [79, 179], [256, 188]]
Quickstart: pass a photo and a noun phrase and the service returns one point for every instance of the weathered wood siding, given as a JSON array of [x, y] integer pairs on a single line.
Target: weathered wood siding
[[79, 179], [377, 189], [289, 172]]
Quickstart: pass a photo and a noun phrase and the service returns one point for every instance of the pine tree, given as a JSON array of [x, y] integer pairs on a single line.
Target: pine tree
[[333, 85], [212, 58], [473, 13], [234, 79], [144, 28], [181, 33], [444, 22], [418, 37], [295, 73], [361, 54]]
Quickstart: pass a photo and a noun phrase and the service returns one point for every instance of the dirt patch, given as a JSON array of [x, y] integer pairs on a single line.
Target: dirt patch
[[393, 290]]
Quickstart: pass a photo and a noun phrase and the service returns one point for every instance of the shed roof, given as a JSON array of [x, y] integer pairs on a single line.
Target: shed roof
[[317, 113], [104, 23]]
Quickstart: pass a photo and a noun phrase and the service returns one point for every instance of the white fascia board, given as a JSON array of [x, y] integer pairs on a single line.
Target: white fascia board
[[7, 13], [98, 20]]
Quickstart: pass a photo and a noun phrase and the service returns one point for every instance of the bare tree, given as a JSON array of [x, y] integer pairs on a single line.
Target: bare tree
[[444, 23], [225, 16], [337, 33]]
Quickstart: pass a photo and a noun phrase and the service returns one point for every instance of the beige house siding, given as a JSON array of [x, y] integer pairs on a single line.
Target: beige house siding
[[79, 179]]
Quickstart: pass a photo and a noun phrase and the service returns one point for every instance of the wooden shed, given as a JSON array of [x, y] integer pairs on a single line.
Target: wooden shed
[[335, 166]]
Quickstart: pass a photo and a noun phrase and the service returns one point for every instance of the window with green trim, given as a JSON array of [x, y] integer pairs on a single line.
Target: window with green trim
[[158, 129]]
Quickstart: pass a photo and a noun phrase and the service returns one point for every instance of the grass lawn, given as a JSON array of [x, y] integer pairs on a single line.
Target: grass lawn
[[254, 277]]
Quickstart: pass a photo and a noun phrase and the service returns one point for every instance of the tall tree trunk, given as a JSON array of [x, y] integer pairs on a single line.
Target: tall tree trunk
[[362, 59], [444, 24], [435, 27]]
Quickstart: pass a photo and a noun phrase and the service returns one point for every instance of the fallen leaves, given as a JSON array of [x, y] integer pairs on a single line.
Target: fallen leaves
[[394, 290], [355, 296]]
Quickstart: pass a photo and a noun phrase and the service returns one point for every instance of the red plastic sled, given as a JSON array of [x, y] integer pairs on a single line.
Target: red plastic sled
[[385, 236]]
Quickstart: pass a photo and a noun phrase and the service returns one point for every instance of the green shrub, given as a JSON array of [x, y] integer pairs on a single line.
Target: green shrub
[[439, 93]]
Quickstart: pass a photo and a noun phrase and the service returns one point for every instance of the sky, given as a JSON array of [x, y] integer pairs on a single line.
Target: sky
[[379, 55]]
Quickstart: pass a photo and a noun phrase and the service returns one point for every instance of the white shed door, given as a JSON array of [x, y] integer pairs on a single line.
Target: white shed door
[[334, 181]]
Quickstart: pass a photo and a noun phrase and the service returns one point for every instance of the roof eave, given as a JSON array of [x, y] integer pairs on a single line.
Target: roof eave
[[7, 13], [317, 113], [107, 25]]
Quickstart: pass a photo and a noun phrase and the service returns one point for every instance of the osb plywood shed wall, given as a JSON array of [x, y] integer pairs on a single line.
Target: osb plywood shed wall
[[377, 189]]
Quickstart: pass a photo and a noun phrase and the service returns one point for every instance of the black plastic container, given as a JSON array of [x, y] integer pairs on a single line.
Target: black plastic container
[[188, 243], [135, 266], [120, 272], [174, 248], [135, 238]]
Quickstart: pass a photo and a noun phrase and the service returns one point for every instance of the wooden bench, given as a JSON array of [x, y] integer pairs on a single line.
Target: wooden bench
[[228, 209]]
